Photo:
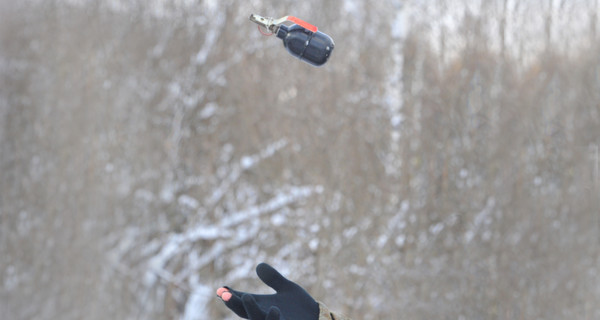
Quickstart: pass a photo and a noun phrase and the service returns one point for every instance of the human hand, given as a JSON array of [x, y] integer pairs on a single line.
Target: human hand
[[290, 302]]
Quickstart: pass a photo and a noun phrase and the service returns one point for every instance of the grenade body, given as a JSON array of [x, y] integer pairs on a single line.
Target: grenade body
[[311, 47]]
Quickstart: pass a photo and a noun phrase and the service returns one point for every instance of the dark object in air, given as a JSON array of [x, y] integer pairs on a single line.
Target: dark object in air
[[301, 39], [312, 47]]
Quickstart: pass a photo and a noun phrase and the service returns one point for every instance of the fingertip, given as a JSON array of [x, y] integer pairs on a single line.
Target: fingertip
[[261, 267], [226, 296], [221, 290]]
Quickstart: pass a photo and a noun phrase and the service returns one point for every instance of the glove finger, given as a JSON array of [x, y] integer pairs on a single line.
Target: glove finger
[[274, 314], [239, 294], [236, 305], [273, 278], [252, 309]]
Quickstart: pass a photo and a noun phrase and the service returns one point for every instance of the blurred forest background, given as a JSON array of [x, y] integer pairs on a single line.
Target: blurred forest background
[[443, 164]]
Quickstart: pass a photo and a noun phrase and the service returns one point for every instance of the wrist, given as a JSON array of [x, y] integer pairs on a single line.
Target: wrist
[[326, 314]]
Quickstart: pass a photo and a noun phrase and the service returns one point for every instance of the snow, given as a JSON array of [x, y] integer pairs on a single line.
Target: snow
[[278, 220], [279, 201], [188, 201], [209, 110], [195, 307], [167, 194], [202, 232], [400, 240], [313, 244], [436, 228]]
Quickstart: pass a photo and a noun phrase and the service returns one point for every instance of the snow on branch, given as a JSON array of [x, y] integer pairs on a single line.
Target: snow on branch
[[246, 163], [181, 243]]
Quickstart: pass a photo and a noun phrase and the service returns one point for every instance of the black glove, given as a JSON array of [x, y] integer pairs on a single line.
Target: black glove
[[291, 302]]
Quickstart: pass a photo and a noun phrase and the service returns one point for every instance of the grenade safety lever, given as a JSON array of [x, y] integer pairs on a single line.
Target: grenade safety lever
[[273, 24], [301, 39]]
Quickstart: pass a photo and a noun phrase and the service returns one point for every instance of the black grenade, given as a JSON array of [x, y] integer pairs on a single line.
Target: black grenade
[[301, 39], [312, 47]]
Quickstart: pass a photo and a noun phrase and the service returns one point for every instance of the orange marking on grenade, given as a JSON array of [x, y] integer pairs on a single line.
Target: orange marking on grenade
[[303, 24]]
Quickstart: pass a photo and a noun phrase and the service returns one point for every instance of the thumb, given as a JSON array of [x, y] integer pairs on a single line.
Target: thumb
[[272, 277]]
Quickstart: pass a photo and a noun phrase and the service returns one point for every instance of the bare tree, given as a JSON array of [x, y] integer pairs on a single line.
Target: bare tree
[[445, 158]]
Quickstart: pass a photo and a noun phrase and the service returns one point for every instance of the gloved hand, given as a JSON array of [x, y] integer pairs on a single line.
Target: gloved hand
[[290, 302]]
